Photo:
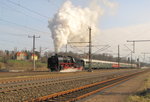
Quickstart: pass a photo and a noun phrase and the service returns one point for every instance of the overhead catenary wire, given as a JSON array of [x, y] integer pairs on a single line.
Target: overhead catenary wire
[[74, 47], [102, 49]]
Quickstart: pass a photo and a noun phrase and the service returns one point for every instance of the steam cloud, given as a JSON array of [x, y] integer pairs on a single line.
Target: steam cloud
[[71, 23]]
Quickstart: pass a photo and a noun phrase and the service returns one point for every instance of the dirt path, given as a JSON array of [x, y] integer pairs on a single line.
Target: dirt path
[[120, 92]]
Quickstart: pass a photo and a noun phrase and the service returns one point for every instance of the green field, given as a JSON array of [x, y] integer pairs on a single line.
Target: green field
[[20, 65]]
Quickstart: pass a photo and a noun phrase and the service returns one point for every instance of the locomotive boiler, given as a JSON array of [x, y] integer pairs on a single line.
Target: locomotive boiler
[[59, 63]]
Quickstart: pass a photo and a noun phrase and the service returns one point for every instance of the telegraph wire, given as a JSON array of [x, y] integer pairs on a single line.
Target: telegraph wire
[[33, 29], [14, 34], [15, 10], [12, 42], [23, 35], [30, 10]]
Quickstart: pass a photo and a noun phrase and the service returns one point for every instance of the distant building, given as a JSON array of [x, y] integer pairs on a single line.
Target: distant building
[[34, 56], [21, 56]]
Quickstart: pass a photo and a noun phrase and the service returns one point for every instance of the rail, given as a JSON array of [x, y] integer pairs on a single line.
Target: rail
[[84, 91]]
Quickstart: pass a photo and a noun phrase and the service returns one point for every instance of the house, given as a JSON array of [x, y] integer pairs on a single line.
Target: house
[[21, 56], [34, 56]]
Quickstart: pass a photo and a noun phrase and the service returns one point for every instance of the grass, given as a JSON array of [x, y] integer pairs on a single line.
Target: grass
[[1, 59], [2, 65], [20, 65], [136, 98], [142, 96]]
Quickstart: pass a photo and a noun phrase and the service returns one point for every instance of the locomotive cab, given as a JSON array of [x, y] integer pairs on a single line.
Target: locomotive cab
[[53, 63], [57, 63]]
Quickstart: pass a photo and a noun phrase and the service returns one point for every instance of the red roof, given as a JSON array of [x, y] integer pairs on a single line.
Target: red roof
[[19, 53], [33, 55]]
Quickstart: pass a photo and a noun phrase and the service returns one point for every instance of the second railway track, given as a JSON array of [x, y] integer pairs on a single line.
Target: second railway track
[[84, 91], [43, 81], [31, 89]]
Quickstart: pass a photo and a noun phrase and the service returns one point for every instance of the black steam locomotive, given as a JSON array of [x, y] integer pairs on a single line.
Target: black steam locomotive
[[59, 63]]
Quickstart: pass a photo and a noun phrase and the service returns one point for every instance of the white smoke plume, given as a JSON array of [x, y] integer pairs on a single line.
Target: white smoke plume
[[70, 23]]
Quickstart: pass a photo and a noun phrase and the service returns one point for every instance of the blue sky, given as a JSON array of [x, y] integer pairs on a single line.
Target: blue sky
[[128, 13]]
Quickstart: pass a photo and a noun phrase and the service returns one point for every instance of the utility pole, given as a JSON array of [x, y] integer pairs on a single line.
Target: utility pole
[[90, 50], [131, 59], [138, 62], [118, 56], [33, 49], [40, 52], [131, 53], [136, 41]]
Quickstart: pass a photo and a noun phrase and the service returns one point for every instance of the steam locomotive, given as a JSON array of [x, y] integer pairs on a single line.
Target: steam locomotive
[[59, 63]]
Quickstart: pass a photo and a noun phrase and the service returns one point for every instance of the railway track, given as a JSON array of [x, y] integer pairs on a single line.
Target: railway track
[[16, 74], [6, 78], [84, 91], [29, 77], [37, 82], [29, 89]]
